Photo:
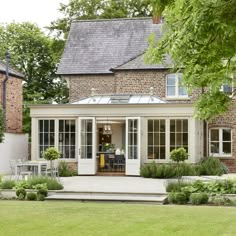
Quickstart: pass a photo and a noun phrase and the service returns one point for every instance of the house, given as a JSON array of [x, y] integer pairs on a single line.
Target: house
[[15, 145], [118, 101]]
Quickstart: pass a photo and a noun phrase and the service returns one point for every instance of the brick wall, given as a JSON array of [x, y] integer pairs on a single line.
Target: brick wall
[[13, 104], [80, 86], [228, 120], [122, 82]]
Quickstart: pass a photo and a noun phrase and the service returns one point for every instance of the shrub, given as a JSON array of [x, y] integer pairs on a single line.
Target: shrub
[[21, 193], [198, 198], [175, 187], [31, 196], [177, 198], [220, 200], [21, 196], [52, 184], [211, 166], [146, 170], [8, 184], [179, 155], [51, 154], [41, 189], [40, 197], [22, 184], [154, 170], [64, 170]]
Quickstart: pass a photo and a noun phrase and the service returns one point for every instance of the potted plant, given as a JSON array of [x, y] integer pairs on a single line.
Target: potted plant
[[51, 154]]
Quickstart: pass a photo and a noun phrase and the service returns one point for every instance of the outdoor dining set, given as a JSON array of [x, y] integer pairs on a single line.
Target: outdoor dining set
[[24, 169]]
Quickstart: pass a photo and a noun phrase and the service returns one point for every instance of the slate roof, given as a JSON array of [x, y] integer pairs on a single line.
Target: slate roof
[[137, 63], [96, 46], [12, 71]]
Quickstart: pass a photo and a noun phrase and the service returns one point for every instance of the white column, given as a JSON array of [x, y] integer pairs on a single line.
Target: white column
[[34, 138]]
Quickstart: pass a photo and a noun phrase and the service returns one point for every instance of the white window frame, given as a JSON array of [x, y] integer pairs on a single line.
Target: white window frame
[[220, 130], [232, 86], [177, 86], [56, 136], [167, 138], [49, 132], [159, 143], [64, 133]]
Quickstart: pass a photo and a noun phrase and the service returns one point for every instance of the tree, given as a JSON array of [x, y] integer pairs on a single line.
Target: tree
[[98, 9], [200, 37], [36, 56]]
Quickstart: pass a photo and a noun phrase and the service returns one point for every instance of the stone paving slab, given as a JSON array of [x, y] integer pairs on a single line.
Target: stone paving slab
[[110, 197], [114, 184]]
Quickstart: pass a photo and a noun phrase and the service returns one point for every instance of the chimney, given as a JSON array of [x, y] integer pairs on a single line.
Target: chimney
[[157, 19]]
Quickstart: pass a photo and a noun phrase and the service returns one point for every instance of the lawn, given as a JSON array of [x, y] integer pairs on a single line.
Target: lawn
[[101, 219]]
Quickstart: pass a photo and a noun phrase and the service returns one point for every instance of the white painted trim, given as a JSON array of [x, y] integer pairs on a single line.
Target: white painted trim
[[221, 154], [133, 165], [87, 166]]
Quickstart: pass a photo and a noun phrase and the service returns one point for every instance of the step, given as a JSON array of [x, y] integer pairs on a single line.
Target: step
[[113, 197]]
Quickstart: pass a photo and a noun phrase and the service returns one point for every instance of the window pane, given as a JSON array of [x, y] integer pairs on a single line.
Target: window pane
[[89, 126], [67, 125], [156, 125], [51, 125], [172, 125], [89, 152], [162, 153], [151, 154], [185, 125], [171, 80], [150, 139], [172, 139], [156, 139], [215, 147], [72, 125], [227, 148], [162, 125], [61, 125], [45, 136], [72, 154], [46, 124], [183, 91], [89, 139], [227, 89], [226, 135], [162, 139], [150, 125], [185, 139], [170, 91], [178, 125], [214, 135], [41, 126]]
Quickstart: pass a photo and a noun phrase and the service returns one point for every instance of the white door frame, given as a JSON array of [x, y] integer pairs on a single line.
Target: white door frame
[[133, 165], [87, 166]]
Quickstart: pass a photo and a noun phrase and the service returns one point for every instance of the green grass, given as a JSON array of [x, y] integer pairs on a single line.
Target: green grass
[[95, 219]]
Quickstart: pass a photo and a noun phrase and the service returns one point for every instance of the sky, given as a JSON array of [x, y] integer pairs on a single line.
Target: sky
[[41, 12]]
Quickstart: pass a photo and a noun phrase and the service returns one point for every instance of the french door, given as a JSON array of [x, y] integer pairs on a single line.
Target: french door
[[87, 150], [132, 146]]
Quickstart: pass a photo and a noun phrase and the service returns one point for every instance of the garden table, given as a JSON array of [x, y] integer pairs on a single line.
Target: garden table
[[32, 165]]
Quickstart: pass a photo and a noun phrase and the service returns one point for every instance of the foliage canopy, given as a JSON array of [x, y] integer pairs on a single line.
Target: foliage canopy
[[200, 37]]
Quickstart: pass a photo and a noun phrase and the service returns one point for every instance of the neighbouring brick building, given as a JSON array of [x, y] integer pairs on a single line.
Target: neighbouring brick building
[[14, 99], [116, 98], [15, 145]]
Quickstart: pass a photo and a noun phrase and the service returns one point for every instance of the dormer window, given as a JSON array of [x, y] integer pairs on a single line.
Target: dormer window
[[174, 89]]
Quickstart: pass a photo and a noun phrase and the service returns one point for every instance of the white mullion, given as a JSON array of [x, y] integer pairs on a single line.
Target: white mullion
[[221, 141], [176, 85], [167, 144]]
